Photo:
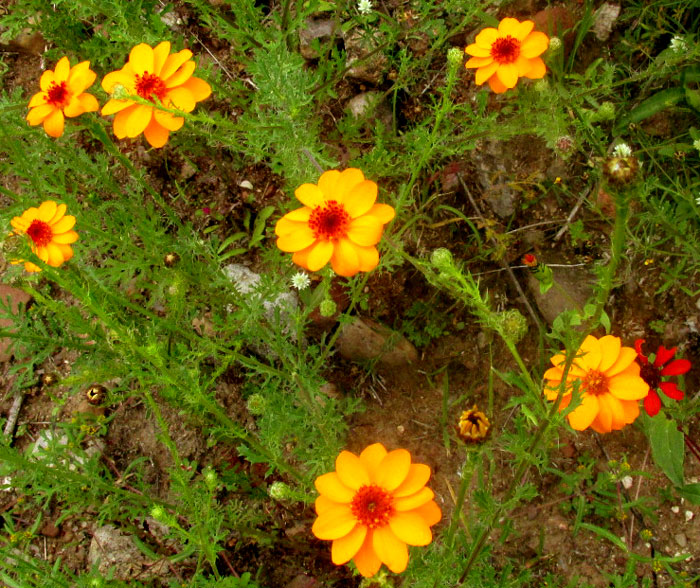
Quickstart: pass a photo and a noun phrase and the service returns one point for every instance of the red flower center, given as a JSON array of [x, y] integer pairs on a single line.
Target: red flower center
[[505, 50], [330, 221], [372, 506], [40, 233], [595, 383], [149, 85], [651, 375], [57, 94]]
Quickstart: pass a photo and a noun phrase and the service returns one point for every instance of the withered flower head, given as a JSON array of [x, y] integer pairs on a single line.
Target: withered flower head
[[473, 426], [621, 171], [95, 394]]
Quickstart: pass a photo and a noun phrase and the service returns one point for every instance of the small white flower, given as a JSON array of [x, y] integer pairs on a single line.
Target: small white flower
[[678, 45], [622, 150], [364, 6], [301, 281], [696, 144], [697, 201]]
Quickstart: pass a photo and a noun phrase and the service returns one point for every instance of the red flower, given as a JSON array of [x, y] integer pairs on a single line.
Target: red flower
[[651, 374]]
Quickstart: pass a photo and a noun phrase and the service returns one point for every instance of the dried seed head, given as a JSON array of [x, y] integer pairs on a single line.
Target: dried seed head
[[621, 171], [171, 259], [49, 379], [95, 394]]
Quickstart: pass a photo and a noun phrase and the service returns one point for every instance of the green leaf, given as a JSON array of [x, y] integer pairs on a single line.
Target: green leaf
[[691, 492], [667, 447], [692, 97], [658, 102], [604, 533]]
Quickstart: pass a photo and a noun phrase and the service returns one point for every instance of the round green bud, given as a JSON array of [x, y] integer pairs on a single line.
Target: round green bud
[[606, 111], [455, 57], [210, 478], [257, 404], [279, 491], [442, 259], [555, 44], [327, 308], [541, 86], [159, 514], [513, 324]]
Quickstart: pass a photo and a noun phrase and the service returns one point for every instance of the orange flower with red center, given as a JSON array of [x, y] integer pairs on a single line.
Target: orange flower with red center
[[162, 79], [373, 506], [50, 233], [608, 380], [62, 94], [507, 53], [340, 222]]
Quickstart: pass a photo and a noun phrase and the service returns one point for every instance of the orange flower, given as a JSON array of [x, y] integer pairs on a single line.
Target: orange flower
[[163, 79], [503, 55], [609, 384], [339, 222], [372, 506], [62, 94], [50, 233]]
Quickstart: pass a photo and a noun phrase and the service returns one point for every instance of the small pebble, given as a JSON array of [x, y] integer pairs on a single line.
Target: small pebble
[[675, 509], [246, 185], [689, 514], [627, 482]]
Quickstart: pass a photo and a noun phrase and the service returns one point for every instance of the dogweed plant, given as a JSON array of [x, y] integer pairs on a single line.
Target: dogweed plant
[[185, 402]]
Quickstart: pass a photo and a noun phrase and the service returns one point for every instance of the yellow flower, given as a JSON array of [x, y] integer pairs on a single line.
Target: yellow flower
[[62, 94], [503, 55], [163, 79], [373, 506], [340, 222], [50, 233], [609, 384]]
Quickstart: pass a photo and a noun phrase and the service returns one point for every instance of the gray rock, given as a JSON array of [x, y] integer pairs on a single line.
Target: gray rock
[[112, 549], [42, 449], [321, 29], [573, 287], [363, 66], [604, 20], [367, 340], [371, 106]]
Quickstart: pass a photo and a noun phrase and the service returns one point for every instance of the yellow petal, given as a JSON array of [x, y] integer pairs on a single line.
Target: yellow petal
[[296, 241], [181, 75], [496, 85], [53, 124], [66, 251], [610, 350], [66, 238], [523, 30], [351, 471], [324, 504], [537, 69], [383, 212], [328, 182], [394, 468], [141, 59], [319, 255], [429, 512], [346, 260], [345, 548], [413, 501], [365, 231], [89, 103], [371, 457], [509, 26], [348, 179], [37, 114], [411, 528], [417, 477], [55, 255], [625, 358], [47, 210], [285, 226], [301, 257], [479, 61], [507, 74], [631, 409], [309, 195], [604, 419], [360, 199], [181, 99], [589, 354], [123, 77], [200, 89], [334, 523], [160, 54], [121, 120], [39, 99], [156, 134], [477, 51], [523, 65], [45, 80], [114, 106], [62, 70], [582, 416], [300, 215], [534, 44], [486, 38], [73, 108], [484, 73], [168, 120], [81, 77], [390, 549], [63, 225], [628, 387], [366, 560], [138, 120], [368, 257], [173, 63], [330, 486]]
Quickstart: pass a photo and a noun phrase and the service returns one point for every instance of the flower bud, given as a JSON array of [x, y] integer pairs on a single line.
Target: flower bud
[[621, 170], [327, 308], [257, 404], [280, 491], [171, 259], [555, 44], [455, 57], [442, 259], [473, 425], [606, 111], [513, 324]]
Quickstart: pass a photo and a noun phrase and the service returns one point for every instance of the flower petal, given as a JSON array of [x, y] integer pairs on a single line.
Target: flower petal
[[584, 414], [300, 215], [411, 528], [63, 225], [345, 548], [160, 54], [671, 390], [330, 486], [369, 258], [81, 77], [610, 349], [89, 103], [173, 63], [73, 108], [496, 85], [141, 59], [589, 353], [309, 195], [167, 120], [300, 239], [181, 75], [324, 504], [509, 26], [328, 181], [45, 80], [138, 119], [479, 61], [366, 560], [523, 29], [628, 387], [507, 74], [390, 549], [39, 99], [121, 121], [486, 37], [348, 179], [417, 477], [383, 212], [53, 124], [182, 99], [523, 65], [534, 45], [66, 238], [360, 199], [371, 457], [346, 260], [39, 113], [334, 523], [603, 422], [429, 512], [537, 69], [394, 468], [477, 51], [413, 501], [676, 368], [365, 231], [652, 403], [319, 255], [625, 361], [484, 73], [62, 70], [114, 106], [55, 255], [199, 89], [351, 471], [47, 210]]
